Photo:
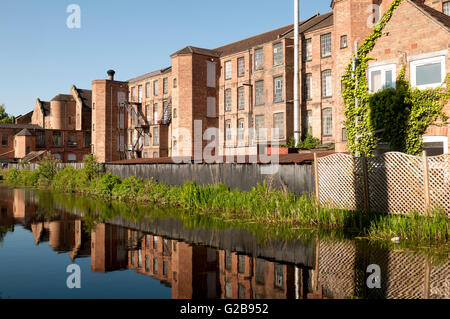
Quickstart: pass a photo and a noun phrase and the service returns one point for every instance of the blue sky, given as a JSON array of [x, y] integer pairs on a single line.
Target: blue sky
[[41, 57]]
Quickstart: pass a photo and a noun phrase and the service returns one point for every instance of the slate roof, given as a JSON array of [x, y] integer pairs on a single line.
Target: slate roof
[[24, 132], [150, 74], [86, 97], [63, 97], [437, 16]]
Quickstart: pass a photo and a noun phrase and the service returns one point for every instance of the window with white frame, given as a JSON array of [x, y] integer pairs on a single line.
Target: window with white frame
[[133, 94], [327, 86], [156, 136], [278, 89], [155, 88], [227, 100], [428, 73], [446, 8], [278, 54], [307, 50], [278, 125], [155, 113], [147, 90], [382, 77], [435, 145], [259, 127], [147, 113], [241, 98], [309, 121], [165, 85], [259, 59], [140, 93], [241, 129], [227, 70], [308, 86], [327, 122], [241, 67], [325, 45], [343, 42], [228, 130]]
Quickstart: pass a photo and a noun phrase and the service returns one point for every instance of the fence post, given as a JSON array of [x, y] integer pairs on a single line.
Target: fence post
[[316, 179], [365, 183], [426, 183], [316, 183]]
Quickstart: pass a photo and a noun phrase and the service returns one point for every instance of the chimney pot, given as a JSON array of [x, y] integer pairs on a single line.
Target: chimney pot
[[111, 75]]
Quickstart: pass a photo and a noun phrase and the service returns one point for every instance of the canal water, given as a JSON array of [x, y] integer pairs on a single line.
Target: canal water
[[125, 252]]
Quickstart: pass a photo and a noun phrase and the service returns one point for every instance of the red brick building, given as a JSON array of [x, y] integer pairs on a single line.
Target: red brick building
[[244, 90], [61, 127]]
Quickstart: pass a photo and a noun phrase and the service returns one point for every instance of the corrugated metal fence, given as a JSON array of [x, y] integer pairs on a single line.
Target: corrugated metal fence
[[297, 178]]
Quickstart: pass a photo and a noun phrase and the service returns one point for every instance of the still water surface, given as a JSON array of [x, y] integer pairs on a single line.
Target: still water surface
[[123, 255]]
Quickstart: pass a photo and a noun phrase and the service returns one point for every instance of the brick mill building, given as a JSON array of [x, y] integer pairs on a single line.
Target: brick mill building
[[245, 89]]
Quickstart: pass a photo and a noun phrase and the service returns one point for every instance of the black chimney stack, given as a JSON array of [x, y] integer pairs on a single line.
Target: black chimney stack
[[111, 75]]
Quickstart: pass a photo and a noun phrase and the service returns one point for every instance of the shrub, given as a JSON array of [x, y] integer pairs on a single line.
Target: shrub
[[309, 142], [130, 188], [47, 170], [104, 185]]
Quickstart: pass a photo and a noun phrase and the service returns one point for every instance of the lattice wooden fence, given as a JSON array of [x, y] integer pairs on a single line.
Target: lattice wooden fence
[[393, 182]]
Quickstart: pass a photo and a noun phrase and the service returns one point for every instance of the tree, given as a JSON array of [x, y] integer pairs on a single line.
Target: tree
[[5, 117]]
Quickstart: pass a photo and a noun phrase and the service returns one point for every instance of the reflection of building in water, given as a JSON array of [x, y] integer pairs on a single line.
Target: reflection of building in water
[[16, 207], [337, 269], [244, 277], [109, 248], [65, 234], [191, 271]]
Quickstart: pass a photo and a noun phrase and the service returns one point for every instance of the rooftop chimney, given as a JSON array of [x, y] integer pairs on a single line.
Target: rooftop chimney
[[111, 75]]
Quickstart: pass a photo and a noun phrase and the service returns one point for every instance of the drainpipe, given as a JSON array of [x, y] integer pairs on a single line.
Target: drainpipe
[[296, 69]]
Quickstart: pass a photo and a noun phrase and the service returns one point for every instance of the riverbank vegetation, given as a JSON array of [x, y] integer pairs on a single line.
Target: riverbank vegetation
[[261, 205]]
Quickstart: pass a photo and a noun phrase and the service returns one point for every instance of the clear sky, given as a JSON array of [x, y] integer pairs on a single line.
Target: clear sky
[[41, 57]]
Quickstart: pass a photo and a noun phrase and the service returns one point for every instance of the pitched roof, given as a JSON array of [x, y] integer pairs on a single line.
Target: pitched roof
[[63, 97], [150, 75], [251, 42], [86, 97], [45, 107], [437, 16], [317, 22], [190, 49], [24, 132]]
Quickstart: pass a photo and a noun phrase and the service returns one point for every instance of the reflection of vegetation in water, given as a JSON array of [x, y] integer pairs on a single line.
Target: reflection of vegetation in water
[[93, 211], [262, 205], [3, 231]]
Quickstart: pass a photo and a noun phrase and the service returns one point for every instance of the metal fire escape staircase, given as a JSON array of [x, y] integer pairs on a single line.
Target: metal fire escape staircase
[[140, 126]]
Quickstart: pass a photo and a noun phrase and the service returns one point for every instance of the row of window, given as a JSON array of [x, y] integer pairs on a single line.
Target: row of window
[[149, 89], [258, 61], [57, 140], [260, 128], [327, 85], [278, 125], [424, 73]]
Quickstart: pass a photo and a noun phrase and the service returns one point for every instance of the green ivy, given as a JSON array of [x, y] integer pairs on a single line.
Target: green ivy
[[411, 110]]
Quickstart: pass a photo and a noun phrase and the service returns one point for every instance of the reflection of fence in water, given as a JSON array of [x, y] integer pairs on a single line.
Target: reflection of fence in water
[[404, 275], [396, 182]]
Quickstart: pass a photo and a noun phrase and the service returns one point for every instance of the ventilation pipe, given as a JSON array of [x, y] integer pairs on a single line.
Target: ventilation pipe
[[296, 69]]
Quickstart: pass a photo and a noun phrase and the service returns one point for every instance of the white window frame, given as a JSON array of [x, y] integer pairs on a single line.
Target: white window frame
[[437, 139], [414, 64], [383, 69], [228, 70]]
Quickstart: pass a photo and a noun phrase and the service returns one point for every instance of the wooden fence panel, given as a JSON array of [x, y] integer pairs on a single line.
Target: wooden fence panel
[[396, 182]]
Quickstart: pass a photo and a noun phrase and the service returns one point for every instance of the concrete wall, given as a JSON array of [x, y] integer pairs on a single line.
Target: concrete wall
[[294, 177]]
